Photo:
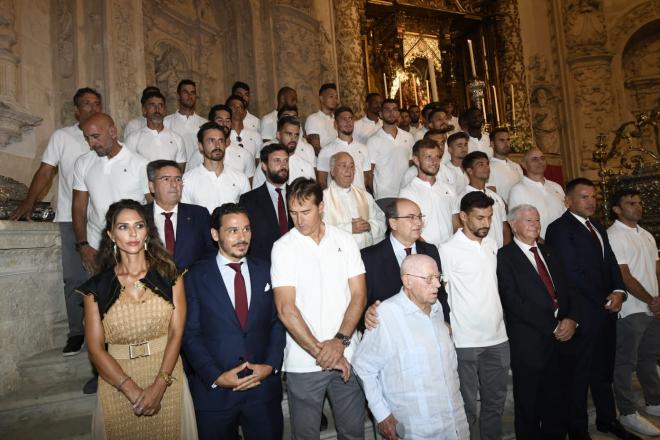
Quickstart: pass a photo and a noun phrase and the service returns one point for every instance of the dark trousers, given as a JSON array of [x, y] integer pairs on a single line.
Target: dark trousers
[[258, 421], [594, 371]]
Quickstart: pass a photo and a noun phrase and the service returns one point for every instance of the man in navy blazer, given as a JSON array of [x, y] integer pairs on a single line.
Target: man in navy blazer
[[233, 340], [190, 223], [382, 261], [592, 268], [269, 219]]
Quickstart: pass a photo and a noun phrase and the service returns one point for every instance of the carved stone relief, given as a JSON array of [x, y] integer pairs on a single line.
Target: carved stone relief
[[585, 26], [545, 99], [170, 66], [350, 55], [64, 61]]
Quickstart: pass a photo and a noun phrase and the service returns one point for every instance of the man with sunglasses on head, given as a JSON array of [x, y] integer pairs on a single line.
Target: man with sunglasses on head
[[241, 135]]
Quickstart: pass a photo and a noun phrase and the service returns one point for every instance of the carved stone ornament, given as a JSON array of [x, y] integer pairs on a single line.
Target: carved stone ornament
[[585, 26], [13, 121]]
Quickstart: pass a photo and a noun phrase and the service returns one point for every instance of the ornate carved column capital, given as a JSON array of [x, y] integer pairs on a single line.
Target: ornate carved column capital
[[350, 54]]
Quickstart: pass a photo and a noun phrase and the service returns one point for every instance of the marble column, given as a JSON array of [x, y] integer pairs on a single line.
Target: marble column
[[350, 54]]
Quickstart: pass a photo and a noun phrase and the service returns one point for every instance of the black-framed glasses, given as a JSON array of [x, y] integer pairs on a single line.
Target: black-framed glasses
[[412, 217], [429, 278]]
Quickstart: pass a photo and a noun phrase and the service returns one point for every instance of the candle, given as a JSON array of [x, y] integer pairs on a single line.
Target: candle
[[483, 109], [472, 65], [385, 82], [483, 50], [400, 93], [428, 93], [513, 105], [414, 81], [497, 108]]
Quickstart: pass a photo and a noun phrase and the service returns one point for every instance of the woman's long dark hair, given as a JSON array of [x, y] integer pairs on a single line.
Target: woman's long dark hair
[[157, 257]]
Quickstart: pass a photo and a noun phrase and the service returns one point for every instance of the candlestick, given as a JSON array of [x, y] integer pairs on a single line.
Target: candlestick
[[497, 108], [483, 109], [385, 82], [472, 65], [414, 81], [513, 105], [483, 50]]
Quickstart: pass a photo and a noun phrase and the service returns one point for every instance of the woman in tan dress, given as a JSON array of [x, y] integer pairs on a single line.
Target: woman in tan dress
[[136, 305]]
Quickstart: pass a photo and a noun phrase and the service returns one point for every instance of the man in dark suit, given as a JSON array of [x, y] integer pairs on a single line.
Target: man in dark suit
[[233, 340], [540, 319], [266, 205], [592, 268], [183, 228], [382, 261]]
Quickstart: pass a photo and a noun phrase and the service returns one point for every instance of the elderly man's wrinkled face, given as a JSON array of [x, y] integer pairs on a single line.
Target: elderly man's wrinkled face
[[407, 228], [423, 282], [527, 225], [343, 170]]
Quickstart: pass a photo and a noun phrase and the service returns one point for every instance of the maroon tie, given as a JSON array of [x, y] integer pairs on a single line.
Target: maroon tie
[[545, 276], [594, 235], [408, 251], [281, 213], [240, 294], [169, 232]]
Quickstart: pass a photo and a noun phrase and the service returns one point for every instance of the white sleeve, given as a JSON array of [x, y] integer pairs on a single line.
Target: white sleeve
[[79, 174], [377, 221], [180, 149], [619, 248], [313, 125], [373, 151], [245, 187], [283, 268], [53, 153], [354, 259], [323, 160], [131, 141]]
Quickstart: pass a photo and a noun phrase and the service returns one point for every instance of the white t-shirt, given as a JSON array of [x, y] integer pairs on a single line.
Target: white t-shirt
[[269, 125], [252, 122], [357, 151], [391, 158], [305, 151], [470, 269], [323, 125], [419, 134], [319, 273], [453, 176], [436, 202], [496, 231], [153, 145], [636, 248], [202, 187], [482, 144], [298, 167], [108, 181], [547, 197], [504, 173], [187, 127], [250, 141], [134, 125], [239, 159], [64, 147], [364, 128]]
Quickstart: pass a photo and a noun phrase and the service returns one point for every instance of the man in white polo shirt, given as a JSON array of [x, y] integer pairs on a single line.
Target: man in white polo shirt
[[435, 198], [64, 147], [452, 172], [534, 189], [286, 96], [139, 121], [638, 326], [212, 184], [249, 120], [469, 263], [185, 122], [478, 140], [504, 173], [390, 151], [320, 294], [155, 141], [319, 126], [242, 136], [346, 141], [107, 174], [370, 123], [235, 157]]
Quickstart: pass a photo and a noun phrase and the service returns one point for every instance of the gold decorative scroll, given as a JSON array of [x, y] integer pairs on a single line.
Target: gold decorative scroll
[[420, 46]]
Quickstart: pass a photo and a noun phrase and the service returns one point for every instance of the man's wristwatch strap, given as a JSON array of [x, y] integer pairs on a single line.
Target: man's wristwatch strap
[[345, 340], [80, 244]]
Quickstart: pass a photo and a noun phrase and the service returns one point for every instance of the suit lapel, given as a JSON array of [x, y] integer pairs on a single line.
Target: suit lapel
[[215, 284], [583, 233], [392, 262], [521, 261], [257, 286], [268, 209]]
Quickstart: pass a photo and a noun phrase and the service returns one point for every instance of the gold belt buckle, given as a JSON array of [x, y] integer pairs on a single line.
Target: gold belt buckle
[[139, 350]]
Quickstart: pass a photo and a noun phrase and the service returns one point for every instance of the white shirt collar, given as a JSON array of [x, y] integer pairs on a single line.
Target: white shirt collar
[[524, 246], [223, 261], [621, 224], [158, 210], [271, 187], [398, 246]]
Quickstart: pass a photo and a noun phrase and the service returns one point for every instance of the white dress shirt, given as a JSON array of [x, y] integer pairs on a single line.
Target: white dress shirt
[[323, 125], [504, 173], [547, 197], [250, 141], [274, 196], [469, 267], [400, 250], [187, 127], [390, 157], [453, 176], [408, 366], [239, 159], [159, 220], [319, 273], [252, 122], [482, 144], [364, 128], [155, 145], [436, 202], [636, 248], [357, 151], [298, 167], [204, 188], [64, 147], [496, 231], [269, 125], [228, 274], [134, 125]]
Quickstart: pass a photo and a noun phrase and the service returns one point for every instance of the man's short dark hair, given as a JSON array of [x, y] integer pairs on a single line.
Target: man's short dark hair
[[217, 108], [426, 109], [271, 148], [391, 210], [185, 82], [497, 130], [151, 94], [620, 193], [303, 188], [239, 85], [570, 186], [156, 165], [327, 86], [475, 199], [404, 110], [423, 144], [456, 136], [372, 95], [149, 89], [84, 91], [234, 98], [471, 158], [391, 101], [287, 120], [343, 109], [287, 108], [211, 125], [434, 131], [435, 110], [283, 91], [410, 107], [469, 112], [226, 209]]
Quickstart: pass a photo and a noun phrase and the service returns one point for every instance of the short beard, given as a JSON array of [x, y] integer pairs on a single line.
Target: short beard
[[276, 178]]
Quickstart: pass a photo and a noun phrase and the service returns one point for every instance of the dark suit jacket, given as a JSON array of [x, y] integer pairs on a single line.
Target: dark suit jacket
[[528, 309], [193, 234], [384, 276], [214, 341], [594, 276], [263, 220]]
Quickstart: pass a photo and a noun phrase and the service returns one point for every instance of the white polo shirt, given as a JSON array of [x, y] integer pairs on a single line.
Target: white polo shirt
[[269, 125], [108, 181], [251, 122], [305, 151], [64, 147], [453, 176], [134, 125], [154, 145], [636, 248], [419, 134], [436, 202], [298, 167], [319, 273], [470, 269], [482, 144], [239, 159], [496, 231], [202, 187], [547, 197], [504, 173], [364, 128], [250, 141], [358, 152], [390, 156], [187, 127], [323, 125]]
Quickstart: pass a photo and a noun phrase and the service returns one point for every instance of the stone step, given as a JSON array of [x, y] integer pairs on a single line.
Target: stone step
[[44, 368], [72, 428]]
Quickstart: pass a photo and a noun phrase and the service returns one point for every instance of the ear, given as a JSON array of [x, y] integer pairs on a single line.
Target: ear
[[200, 147], [151, 187], [110, 236], [463, 216], [415, 160], [215, 235], [321, 206]]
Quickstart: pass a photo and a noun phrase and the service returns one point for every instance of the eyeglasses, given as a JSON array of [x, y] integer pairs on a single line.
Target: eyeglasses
[[429, 278], [412, 217]]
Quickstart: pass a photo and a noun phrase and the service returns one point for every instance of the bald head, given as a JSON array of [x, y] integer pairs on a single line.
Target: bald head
[[417, 263], [421, 280], [99, 119], [101, 134]]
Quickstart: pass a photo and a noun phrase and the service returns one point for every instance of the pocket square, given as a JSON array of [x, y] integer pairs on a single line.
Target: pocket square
[[267, 288]]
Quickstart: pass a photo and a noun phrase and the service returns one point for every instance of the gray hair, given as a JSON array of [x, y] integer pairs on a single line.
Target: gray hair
[[515, 212], [334, 157]]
